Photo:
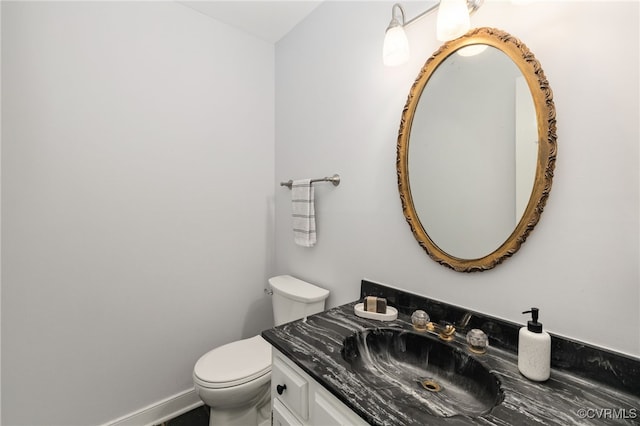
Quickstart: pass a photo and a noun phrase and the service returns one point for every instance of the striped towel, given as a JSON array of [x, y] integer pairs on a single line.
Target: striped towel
[[303, 213]]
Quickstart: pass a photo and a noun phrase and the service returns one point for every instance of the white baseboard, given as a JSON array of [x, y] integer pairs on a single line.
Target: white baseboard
[[160, 411]]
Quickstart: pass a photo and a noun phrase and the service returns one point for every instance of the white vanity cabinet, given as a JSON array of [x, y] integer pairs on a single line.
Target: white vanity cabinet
[[297, 399]]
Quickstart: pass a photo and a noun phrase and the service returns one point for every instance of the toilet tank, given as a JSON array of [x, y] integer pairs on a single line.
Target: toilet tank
[[295, 299]]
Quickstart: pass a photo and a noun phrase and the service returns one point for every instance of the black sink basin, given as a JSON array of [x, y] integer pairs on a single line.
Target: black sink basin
[[422, 370]]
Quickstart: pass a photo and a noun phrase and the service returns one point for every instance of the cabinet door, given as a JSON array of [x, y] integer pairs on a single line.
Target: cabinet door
[[304, 401], [329, 411], [282, 416], [290, 387]]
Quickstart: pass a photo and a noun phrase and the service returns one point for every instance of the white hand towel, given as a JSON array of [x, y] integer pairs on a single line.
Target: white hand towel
[[303, 213]]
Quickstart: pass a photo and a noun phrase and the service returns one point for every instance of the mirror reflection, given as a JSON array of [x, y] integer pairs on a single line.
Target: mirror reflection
[[471, 183], [476, 150]]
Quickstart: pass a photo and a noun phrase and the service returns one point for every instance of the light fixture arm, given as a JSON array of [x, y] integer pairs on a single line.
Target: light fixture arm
[[452, 22], [394, 22], [472, 5], [425, 13]]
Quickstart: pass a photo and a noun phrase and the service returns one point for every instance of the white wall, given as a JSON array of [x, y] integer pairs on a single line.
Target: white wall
[[0, 211], [338, 111], [127, 253], [137, 185]]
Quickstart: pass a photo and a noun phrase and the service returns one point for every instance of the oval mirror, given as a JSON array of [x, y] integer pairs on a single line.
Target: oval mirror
[[476, 150]]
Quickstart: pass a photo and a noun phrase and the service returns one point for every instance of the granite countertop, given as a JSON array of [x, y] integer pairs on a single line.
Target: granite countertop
[[315, 345]]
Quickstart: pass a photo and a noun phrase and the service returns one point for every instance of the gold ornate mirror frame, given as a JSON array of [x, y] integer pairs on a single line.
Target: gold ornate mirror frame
[[546, 123]]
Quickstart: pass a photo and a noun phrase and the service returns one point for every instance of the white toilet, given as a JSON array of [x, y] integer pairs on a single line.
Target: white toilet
[[234, 379]]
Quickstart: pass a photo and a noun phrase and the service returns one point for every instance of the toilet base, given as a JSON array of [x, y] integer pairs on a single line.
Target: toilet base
[[255, 414]]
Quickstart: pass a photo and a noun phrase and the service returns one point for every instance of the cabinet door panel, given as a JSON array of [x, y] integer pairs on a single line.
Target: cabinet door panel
[[282, 416], [290, 387], [329, 411]]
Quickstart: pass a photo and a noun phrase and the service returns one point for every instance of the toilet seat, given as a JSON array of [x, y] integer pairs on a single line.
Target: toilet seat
[[234, 364]]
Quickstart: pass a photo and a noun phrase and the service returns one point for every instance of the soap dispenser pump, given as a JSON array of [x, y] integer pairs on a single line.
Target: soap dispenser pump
[[534, 349]]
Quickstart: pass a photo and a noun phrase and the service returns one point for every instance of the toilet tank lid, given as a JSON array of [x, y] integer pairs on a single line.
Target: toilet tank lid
[[296, 289]]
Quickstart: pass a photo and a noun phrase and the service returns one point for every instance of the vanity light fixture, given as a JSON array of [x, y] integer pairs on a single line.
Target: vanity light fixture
[[395, 50], [453, 19], [452, 22]]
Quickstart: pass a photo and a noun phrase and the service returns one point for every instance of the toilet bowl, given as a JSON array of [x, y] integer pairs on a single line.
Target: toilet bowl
[[234, 379]]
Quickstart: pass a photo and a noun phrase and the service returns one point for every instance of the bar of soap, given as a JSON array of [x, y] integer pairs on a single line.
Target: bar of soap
[[375, 304]]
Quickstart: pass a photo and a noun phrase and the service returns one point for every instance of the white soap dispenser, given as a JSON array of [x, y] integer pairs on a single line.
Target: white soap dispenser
[[534, 349]]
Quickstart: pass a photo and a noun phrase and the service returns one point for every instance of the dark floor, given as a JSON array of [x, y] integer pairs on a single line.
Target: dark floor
[[196, 417]]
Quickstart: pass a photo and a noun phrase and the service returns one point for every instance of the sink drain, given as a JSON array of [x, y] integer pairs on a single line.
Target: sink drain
[[430, 385]]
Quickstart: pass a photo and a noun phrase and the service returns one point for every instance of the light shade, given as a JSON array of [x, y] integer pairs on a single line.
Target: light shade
[[395, 50], [453, 19]]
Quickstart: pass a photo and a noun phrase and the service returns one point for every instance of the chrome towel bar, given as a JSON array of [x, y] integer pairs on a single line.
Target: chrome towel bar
[[335, 180]]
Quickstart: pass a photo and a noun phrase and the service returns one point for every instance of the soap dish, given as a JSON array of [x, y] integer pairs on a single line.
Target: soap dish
[[390, 315]]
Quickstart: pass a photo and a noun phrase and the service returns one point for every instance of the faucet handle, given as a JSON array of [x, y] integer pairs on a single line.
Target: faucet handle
[[420, 319], [477, 340]]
